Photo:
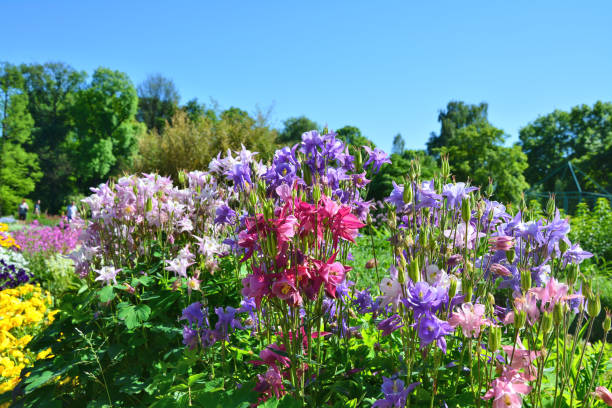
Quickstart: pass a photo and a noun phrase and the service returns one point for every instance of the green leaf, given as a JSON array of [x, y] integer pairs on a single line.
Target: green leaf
[[133, 316], [106, 294]]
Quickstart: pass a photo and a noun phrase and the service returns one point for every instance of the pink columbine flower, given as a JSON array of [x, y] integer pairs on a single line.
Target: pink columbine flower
[[285, 289], [501, 243], [522, 359], [470, 318], [527, 303], [500, 270], [553, 293], [508, 390], [604, 394]]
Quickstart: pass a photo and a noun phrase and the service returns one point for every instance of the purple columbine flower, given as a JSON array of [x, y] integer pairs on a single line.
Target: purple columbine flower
[[431, 329], [193, 314], [363, 301], [311, 142], [390, 325], [575, 255], [240, 174], [455, 193], [426, 196], [227, 320], [397, 196], [422, 297], [377, 158], [395, 393], [225, 215], [190, 337]]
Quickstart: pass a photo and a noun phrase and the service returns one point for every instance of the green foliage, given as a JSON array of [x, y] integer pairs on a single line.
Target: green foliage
[[593, 228], [476, 151], [583, 134], [353, 137], [188, 144], [105, 127], [157, 101], [373, 245], [19, 169], [293, 129], [399, 145], [52, 90], [55, 273]]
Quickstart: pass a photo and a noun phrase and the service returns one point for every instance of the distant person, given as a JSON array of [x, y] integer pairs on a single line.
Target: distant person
[[71, 211], [23, 210], [37, 208]]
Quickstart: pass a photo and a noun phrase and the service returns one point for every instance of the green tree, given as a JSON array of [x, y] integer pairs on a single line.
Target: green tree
[[457, 115], [293, 129], [158, 100], [582, 135], [353, 137], [476, 151], [19, 170], [399, 144], [52, 89], [105, 129]]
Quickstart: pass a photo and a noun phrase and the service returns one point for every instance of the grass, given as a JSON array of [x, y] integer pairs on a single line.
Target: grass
[[364, 252]]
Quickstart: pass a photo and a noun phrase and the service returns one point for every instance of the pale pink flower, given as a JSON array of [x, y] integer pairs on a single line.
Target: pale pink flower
[[470, 318], [508, 390], [604, 394], [522, 359]]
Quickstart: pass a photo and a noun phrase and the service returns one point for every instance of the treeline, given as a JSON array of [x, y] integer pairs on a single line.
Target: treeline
[[63, 131]]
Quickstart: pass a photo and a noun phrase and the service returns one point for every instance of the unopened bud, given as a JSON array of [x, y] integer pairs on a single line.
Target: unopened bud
[[316, 193], [466, 286], [306, 174], [606, 323], [551, 206], [572, 273], [414, 273], [371, 263], [452, 288], [407, 194], [149, 205], [519, 319], [525, 280], [594, 306], [466, 210], [558, 313], [510, 255], [358, 161]]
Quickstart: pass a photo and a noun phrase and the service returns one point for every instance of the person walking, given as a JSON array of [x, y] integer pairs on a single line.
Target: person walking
[[23, 210], [37, 209], [71, 211]]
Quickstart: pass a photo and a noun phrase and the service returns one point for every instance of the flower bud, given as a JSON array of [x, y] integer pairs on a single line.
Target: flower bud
[[306, 174], [572, 273], [316, 193], [492, 340], [547, 322], [558, 313], [445, 167], [606, 323], [413, 271], [525, 280], [452, 288], [510, 255], [149, 205], [358, 161], [490, 190], [551, 207], [408, 193], [466, 210], [181, 177], [370, 264], [519, 319], [466, 286], [586, 288], [594, 306], [369, 219]]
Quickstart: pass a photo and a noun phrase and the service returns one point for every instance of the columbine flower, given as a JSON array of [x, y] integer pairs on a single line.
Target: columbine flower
[[178, 266], [190, 337], [501, 243], [604, 394], [395, 393], [224, 215], [431, 329], [455, 193], [377, 158], [193, 284], [423, 297], [507, 392], [107, 274], [397, 196], [500, 270], [390, 325], [392, 291], [240, 174], [226, 320], [470, 317], [193, 314]]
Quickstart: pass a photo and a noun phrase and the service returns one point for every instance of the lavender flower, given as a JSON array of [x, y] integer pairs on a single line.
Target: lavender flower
[[390, 325], [194, 314], [240, 174], [395, 393], [190, 337], [431, 329], [455, 193], [225, 215], [107, 274], [377, 158], [397, 196]]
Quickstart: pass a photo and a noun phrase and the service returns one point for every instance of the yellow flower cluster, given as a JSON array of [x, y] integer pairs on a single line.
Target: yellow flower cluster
[[24, 311], [6, 240]]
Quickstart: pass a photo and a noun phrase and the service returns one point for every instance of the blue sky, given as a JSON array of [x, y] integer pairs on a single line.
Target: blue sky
[[385, 67]]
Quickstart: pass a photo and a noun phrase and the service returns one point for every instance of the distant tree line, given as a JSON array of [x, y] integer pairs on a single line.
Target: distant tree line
[[63, 131]]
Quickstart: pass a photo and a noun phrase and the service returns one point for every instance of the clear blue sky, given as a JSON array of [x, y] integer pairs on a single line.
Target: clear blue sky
[[385, 67]]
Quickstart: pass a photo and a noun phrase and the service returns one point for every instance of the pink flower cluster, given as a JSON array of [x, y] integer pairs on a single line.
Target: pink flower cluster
[[35, 239], [295, 273]]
